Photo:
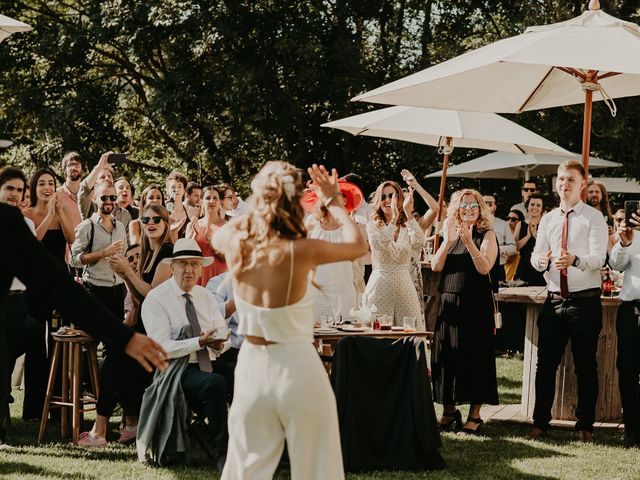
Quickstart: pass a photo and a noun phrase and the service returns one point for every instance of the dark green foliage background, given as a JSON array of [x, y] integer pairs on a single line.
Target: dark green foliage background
[[216, 88]]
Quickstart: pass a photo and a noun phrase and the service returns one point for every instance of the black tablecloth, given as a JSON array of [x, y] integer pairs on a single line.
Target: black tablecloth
[[385, 406]]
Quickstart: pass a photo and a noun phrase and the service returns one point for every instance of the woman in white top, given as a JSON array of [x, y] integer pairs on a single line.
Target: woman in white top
[[394, 236], [281, 388]]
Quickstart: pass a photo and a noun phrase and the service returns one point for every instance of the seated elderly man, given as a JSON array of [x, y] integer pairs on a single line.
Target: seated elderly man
[[184, 319]]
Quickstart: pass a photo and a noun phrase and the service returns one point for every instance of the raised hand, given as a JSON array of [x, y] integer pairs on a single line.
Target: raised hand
[[408, 177], [407, 204], [327, 182]]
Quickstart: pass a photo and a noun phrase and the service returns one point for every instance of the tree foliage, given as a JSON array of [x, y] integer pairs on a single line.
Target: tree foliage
[[215, 88]]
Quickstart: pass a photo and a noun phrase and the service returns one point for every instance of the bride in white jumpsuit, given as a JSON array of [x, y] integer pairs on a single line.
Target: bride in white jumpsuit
[[281, 388]]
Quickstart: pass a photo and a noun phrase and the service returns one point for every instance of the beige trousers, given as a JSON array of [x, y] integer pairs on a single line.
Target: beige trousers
[[282, 392]]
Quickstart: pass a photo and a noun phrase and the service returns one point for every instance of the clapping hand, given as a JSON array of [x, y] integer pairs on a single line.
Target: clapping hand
[[119, 264], [452, 231], [395, 213], [565, 260], [116, 247], [544, 259], [465, 233]]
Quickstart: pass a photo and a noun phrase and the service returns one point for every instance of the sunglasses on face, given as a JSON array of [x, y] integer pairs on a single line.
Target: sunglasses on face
[[384, 196], [155, 220], [512, 219], [618, 219], [131, 258], [104, 198], [472, 205], [529, 190]]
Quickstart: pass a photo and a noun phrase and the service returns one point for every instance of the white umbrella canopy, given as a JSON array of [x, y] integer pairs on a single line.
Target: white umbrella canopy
[[426, 126], [447, 129], [509, 166], [9, 26], [619, 185], [547, 66]]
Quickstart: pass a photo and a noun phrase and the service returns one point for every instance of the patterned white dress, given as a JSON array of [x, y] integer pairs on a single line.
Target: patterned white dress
[[337, 290], [390, 287]]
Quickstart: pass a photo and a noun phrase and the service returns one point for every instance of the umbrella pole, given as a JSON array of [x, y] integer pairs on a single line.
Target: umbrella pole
[[443, 182], [586, 136]]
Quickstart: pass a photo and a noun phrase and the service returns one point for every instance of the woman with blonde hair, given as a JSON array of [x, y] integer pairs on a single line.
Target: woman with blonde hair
[[463, 365], [394, 236], [282, 391], [124, 380]]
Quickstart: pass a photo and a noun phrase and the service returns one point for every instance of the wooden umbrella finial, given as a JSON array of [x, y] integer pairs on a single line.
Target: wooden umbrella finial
[[594, 5]]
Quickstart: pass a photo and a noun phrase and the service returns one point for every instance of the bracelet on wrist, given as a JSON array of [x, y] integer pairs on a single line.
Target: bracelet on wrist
[[328, 201], [477, 256]]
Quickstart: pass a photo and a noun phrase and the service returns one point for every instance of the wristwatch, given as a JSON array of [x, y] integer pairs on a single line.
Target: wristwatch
[[576, 261]]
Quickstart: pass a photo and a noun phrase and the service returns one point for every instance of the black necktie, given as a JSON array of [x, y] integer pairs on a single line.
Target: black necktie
[[203, 354]]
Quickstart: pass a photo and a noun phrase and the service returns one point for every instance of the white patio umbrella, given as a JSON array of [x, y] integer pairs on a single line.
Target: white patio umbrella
[[510, 166], [447, 129], [546, 66], [9, 26], [619, 185]]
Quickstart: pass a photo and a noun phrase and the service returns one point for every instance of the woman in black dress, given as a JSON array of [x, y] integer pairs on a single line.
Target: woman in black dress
[[54, 228], [463, 358], [526, 239], [124, 380]]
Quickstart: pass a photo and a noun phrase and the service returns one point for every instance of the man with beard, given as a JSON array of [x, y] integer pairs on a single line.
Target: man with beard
[[101, 173], [598, 198], [97, 238], [72, 168]]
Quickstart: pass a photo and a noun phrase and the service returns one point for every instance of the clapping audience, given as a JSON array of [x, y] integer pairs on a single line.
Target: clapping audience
[[125, 245]]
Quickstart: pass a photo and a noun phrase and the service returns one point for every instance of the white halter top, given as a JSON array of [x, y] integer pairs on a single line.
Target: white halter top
[[287, 324]]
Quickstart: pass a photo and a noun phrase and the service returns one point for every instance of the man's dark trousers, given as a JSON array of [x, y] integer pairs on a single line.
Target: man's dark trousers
[[206, 393], [628, 363], [578, 320]]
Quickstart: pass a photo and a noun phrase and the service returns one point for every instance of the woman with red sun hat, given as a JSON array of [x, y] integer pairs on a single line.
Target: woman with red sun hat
[[337, 295]]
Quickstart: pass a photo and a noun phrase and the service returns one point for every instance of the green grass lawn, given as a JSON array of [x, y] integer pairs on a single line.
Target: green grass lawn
[[502, 452]]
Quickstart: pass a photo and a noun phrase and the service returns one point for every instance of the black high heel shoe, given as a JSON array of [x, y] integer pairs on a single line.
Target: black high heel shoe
[[472, 431], [455, 421]]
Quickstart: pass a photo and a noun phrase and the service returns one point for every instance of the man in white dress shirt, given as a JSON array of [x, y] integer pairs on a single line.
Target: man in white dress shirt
[[503, 233], [571, 246], [625, 256], [180, 302]]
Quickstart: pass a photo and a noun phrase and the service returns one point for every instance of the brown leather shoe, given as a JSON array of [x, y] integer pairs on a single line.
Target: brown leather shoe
[[585, 436], [537, 433]]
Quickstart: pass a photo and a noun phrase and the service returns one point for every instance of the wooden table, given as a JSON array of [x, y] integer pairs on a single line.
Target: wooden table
[[326, 341], [608, 408]]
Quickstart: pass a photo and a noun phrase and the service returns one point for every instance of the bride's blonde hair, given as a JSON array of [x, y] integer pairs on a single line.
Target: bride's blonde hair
[[275, 211]]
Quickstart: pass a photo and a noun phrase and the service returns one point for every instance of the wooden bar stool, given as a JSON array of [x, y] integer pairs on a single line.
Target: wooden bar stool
[[67, 349]]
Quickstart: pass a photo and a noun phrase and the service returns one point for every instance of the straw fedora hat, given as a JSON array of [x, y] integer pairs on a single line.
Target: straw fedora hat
[[188, 249]]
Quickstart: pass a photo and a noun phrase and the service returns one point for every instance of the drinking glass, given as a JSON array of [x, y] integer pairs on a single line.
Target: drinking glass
[[323, 321], [409, 324]]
